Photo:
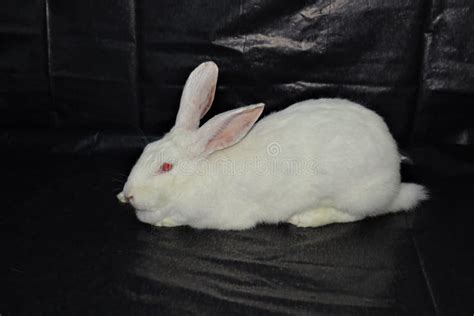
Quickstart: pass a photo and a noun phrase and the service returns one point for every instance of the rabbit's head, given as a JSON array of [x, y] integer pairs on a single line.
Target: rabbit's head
[[167, 166]]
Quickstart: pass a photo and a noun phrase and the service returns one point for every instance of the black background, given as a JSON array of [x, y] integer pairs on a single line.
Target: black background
[[85, 83]]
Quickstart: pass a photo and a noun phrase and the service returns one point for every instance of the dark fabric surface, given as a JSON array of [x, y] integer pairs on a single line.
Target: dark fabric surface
[[84, 84], [70, 248]]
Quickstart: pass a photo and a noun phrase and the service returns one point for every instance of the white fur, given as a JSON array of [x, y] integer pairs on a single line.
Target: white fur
[[316, 162]]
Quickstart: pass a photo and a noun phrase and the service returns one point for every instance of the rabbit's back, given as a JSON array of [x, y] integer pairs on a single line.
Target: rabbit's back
[[334, 133]]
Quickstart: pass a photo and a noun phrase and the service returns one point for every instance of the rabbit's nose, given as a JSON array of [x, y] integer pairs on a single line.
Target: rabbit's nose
[[121, 197], [124, 198]]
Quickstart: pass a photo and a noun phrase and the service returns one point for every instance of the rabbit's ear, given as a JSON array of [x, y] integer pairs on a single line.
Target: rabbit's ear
[[197, 97], [227, 129]]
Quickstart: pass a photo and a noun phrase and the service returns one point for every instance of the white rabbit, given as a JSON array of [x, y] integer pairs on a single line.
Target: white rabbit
[[315, 163]]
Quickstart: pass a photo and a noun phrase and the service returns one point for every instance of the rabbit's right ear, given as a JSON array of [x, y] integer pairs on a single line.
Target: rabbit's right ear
[[226, 129], [197, 97]]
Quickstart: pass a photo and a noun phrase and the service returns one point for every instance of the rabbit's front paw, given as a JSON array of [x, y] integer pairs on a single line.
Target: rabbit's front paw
[[166, 222]]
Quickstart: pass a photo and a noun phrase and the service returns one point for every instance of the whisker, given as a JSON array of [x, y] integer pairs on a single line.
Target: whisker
[[118, 175], [143, 138]]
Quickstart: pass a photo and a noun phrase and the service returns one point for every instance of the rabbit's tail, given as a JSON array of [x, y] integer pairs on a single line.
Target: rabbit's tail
[[409, 196]]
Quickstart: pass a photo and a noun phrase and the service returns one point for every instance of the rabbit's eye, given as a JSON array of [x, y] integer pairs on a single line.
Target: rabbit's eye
[[165, 167]]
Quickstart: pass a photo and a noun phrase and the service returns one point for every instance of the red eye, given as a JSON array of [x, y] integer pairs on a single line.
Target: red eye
[[165, 167]]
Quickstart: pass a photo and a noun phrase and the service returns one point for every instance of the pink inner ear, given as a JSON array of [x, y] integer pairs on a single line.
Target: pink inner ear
[[233, 130]]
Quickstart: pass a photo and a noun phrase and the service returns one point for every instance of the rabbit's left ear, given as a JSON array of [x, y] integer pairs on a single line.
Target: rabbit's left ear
[[227, 129], [197, 97]]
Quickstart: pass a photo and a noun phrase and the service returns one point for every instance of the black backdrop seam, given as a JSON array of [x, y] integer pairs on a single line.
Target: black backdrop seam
[[47, 30], [139, 42], [419, 92], [422, 266]]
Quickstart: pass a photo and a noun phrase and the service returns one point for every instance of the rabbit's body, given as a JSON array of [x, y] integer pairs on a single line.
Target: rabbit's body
[[314, 155], [316, 162]]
